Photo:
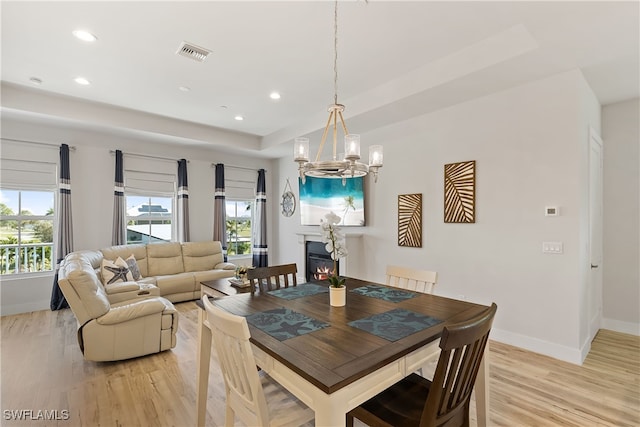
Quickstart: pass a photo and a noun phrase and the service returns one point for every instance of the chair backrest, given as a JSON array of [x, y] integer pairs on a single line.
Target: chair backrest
[[462, 347], [266, 279], [244, 392], [408, 278]]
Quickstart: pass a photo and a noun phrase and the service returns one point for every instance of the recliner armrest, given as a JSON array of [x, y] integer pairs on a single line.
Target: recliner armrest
[[225, 266], [118, 287], [123, 313]]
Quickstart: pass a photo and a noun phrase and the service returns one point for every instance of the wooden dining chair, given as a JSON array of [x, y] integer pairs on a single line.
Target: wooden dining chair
[[253, 397], [411, 279], [419, 281], [265, 279], [416, 401]]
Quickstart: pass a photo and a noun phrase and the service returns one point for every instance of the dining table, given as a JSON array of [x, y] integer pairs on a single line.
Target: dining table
[[335, 358]]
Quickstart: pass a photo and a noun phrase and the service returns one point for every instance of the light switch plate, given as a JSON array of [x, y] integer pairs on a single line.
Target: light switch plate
[[552, 247]]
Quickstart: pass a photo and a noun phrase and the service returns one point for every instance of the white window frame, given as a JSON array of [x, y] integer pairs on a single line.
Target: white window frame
[[150, 195], [19, 217], [252, 203]]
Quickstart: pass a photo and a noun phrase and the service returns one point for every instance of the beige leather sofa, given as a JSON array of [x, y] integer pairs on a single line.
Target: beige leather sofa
[[175, 268], [130, 319]]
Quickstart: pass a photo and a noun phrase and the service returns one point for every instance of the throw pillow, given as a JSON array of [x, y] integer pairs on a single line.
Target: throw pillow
[[114, 271], [133, 267]]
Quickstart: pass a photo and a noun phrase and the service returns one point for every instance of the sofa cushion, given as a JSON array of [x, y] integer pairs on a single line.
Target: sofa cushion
[[201, 256], [115, 271], [164, 259], [177, 283], [133, 267]]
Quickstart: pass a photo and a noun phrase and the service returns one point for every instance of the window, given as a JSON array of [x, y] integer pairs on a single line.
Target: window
[[26, 231], [149, 219], [239, 214]]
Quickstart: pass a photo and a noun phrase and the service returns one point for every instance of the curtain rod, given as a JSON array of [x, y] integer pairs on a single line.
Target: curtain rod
[[238, 167], [50, 144], [124, 153]]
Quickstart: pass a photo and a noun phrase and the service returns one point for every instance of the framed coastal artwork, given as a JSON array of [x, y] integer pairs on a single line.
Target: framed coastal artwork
[[460, 192], [318, 196], [410, 220]]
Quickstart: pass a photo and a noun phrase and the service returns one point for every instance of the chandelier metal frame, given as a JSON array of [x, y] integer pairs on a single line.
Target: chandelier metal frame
[[349, 167]]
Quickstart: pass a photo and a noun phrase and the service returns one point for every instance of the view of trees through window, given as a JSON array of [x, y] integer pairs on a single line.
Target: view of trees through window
[[149, 219], [26, 231], [239, 213]]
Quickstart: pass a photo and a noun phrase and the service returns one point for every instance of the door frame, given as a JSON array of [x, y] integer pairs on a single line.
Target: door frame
[[594, 281]]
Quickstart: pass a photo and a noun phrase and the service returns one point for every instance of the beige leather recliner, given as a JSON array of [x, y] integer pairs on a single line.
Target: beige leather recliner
[[118, 331]]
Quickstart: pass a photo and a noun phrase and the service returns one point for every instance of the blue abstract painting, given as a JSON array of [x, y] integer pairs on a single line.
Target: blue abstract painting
[[319, 196]]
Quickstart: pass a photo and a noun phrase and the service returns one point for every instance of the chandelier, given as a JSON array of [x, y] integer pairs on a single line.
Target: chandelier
[[349, 166]]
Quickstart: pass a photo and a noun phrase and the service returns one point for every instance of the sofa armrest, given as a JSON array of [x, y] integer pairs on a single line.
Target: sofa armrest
[[119, 287], [225, 266], [134, 310]]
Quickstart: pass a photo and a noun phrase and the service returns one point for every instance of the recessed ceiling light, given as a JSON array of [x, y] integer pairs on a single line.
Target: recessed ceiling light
[[239, 118], [274, 95], [35, 80], [84, 35], [184, 88], [82, 81]]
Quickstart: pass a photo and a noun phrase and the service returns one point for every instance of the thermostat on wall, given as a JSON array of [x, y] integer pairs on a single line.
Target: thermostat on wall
[[551, 211]]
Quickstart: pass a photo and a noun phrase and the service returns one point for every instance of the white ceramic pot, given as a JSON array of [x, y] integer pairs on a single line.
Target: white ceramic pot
[[338, 296]]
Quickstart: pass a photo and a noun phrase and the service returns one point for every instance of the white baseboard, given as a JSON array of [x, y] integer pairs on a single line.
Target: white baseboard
[[621, 326], [557, 351]]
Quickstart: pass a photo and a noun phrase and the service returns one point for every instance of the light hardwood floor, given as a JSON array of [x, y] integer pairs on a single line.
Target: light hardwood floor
[[42, 369]]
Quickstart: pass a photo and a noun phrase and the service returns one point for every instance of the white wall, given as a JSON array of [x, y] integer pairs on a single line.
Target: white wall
[[92, 184], [529, 144], [621, 266]]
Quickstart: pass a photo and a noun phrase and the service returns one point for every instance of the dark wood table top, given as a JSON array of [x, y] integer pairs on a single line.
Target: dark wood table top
[[225, 287], [333, 357]]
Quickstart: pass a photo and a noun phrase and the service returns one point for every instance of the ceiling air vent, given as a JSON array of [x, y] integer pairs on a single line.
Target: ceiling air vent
[[192, 51]]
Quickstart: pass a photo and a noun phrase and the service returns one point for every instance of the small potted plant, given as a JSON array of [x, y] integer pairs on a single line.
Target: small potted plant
[[335, 245]]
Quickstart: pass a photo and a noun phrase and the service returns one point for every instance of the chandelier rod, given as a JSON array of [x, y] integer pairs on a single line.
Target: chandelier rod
[[335, 52]]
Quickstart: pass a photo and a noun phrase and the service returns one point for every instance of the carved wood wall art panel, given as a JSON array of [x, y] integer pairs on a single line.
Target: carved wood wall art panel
[[410, 220], [460, 192]]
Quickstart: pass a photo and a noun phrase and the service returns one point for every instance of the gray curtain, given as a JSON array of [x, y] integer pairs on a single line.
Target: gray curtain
[[260, 250], [119, 232], [64, 244], [183, 202], [219, 211]]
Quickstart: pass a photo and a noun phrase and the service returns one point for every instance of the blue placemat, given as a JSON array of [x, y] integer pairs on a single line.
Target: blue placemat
[[283, 323], [299, 291], [385, 293], [395, 324]]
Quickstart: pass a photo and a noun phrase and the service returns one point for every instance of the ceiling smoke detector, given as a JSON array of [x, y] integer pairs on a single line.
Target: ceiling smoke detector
[[192, 51]]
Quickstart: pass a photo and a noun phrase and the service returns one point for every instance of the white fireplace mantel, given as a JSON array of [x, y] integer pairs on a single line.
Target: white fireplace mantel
[[348, 264]]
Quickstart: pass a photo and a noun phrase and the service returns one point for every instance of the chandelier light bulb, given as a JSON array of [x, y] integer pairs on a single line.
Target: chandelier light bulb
[[352, 147], [301, 150], [375, 156]]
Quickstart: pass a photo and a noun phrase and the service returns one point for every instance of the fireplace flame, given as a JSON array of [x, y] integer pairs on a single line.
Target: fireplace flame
[[322, 273]]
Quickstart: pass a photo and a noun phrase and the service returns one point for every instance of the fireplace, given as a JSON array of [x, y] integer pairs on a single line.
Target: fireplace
[[318, 261], [349, 265]]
